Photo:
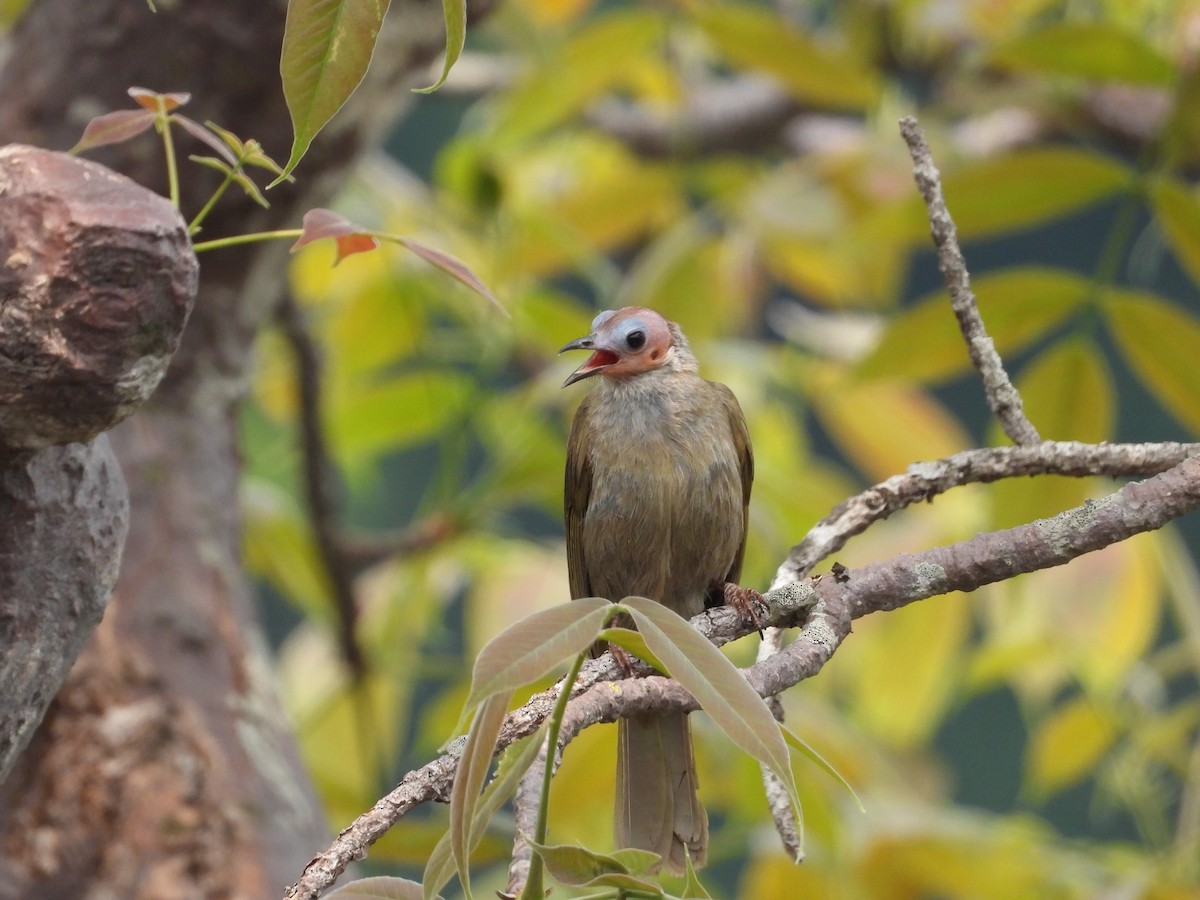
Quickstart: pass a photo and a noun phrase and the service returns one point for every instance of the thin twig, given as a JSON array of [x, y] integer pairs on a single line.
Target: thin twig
[[1002, 397]]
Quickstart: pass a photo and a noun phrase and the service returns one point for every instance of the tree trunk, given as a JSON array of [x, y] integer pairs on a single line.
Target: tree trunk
[[164, 768]]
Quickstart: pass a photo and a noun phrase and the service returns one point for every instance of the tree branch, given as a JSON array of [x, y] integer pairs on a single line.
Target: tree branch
[[925, 480], [831, 602], [1002, 397]]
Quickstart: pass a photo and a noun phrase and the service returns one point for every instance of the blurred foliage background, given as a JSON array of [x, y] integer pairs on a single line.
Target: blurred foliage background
[[737, 166]]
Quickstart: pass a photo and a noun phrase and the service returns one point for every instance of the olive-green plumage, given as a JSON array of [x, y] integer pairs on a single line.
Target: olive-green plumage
[[658, 477]]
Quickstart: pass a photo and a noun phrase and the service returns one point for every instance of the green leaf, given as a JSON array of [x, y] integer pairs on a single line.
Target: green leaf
[[1030, 187], [455, 14], [327, 45], [759, 38], [1095, 51], [417, 406], [513, 765], [1178, 210], [630, 640], [533, 646], [692, 888], [581, 71], [716, 684], [472, 770], [381, 887], [1018, 306], [579, 867], [804, 748], [1159, 341]]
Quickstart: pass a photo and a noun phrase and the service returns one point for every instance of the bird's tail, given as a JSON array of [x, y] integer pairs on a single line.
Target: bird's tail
[[657, 807]]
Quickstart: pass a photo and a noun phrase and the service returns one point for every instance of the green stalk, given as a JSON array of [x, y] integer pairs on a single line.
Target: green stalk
[[217, 243], [163, 124], [534, 889], [194, 225]]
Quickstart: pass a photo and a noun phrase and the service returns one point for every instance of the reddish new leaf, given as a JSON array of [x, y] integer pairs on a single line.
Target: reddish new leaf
[[200, 133], [455, 268], [348, 237], [114, 127], [156, 102]]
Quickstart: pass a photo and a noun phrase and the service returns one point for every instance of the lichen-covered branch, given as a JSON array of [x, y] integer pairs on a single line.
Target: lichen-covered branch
[[826, 606], [925, 480]]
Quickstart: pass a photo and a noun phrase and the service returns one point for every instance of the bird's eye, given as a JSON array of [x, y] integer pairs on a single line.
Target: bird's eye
[[635, 340]]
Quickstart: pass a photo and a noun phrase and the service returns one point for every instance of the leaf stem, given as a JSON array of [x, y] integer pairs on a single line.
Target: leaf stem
[[534, 890], [163, 123], [234, 240], [194, 225]]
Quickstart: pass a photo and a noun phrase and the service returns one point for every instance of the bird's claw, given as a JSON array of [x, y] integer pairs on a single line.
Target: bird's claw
[[749, 604]]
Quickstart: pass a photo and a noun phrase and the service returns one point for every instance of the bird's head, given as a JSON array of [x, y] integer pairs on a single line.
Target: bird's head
[[625, 342]]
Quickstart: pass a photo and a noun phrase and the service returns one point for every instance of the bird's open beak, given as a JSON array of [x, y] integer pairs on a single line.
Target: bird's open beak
[[599, 360]]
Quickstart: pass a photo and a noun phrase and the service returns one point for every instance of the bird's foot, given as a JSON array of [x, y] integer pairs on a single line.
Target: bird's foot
[[623, 659], [750, 605]]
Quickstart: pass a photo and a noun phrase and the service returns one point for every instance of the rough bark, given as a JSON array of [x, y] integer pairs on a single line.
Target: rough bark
[[164, 768], [97, 280]]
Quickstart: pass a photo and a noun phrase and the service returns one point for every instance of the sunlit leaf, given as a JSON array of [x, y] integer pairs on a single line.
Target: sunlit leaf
[[579, 72], [327, 45], [381, 887], [1068, 744], [1178, 210], [1095, 51], [513, 764], [900, 695], [473, 767], [1030, 187], [757, 37], [885, 426], [1159, 341], [1069, 395], [1018, 306], [114, 127], [716, 684], [454, 12], [532, 647], [372, 419]]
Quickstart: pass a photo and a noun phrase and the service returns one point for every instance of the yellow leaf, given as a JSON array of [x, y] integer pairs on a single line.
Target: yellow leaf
[[1069, 396], [1030, 187], [1159, 341], [1067, 746], [1018, 305], [1178, 210], [885, 426], [758, 37], [905, 671], [1096, 51]]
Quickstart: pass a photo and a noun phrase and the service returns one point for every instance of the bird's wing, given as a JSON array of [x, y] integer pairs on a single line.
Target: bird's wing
[[576, 492], [745, 455]]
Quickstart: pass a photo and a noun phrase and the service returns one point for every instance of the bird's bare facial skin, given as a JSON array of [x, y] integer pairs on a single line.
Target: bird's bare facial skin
[[623, 342]]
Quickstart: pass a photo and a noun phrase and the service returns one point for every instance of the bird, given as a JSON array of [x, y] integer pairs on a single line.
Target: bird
[[656, 504]]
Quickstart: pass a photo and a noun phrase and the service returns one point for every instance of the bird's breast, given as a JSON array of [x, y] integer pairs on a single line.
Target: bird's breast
[[664, 518]]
